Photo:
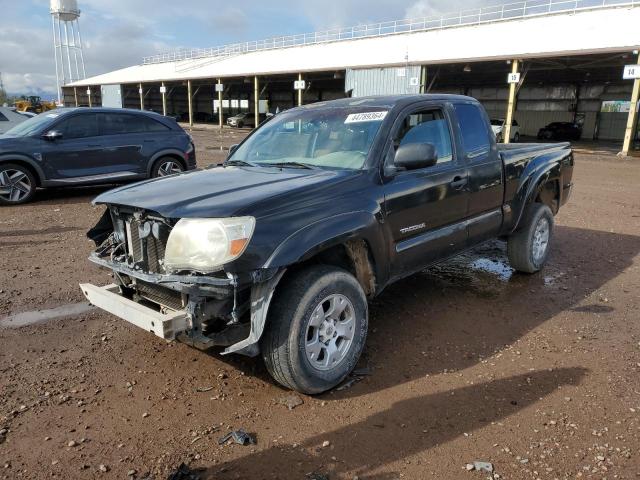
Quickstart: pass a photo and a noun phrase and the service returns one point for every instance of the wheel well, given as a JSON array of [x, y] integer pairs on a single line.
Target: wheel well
[[172, 156], [549, 195], [28, 166], [353, 256]]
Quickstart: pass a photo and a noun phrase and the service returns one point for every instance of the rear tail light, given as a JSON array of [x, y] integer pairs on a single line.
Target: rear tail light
[[189, 151]]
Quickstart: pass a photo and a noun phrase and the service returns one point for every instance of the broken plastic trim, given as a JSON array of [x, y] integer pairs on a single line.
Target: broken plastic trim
[[160, 278], [261, 295]]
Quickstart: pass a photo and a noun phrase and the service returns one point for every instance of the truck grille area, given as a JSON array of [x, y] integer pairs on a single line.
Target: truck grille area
[[146, 244]]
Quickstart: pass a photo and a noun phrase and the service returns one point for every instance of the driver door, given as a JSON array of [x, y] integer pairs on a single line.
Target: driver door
[[426, 208], [78, 153]]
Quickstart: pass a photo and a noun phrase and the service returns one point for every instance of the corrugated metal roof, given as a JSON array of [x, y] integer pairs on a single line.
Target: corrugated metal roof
[[589, 31]]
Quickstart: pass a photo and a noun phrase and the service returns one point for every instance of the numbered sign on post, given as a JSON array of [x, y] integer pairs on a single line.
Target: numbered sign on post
[[513, 78], [631, 72], [219, 87], [163, 89], [299, 85]]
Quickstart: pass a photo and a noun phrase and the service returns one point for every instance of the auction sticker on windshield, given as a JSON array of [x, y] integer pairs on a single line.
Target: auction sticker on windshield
[[366, 117]]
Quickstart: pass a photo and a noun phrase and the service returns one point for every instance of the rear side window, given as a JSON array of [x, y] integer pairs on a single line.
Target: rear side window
[[79, 126], [473, 128], [121, 123]]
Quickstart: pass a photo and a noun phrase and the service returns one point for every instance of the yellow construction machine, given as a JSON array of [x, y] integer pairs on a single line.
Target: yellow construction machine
[[33, 104]]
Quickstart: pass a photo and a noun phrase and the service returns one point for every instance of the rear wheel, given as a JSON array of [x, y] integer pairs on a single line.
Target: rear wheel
[[516, 138], [17, 184], [317, 329], [528, 247], [166, 166]]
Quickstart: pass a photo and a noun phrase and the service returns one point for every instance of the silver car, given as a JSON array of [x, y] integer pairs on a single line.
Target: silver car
[[9, 118]]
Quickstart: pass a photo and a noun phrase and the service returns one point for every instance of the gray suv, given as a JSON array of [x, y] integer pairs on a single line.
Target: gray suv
[[80, 146]]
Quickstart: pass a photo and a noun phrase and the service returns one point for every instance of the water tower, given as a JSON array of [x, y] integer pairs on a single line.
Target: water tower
[[67, 42]]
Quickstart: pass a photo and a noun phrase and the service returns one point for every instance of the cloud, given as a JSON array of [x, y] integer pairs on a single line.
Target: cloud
[[118, 33], [429, 8]]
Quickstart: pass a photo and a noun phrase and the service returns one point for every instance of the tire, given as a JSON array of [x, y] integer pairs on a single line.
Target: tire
[[166, 166], [17, 184], [240, 124], [499, 138], [297, 353], [516, 138], [528, 247]]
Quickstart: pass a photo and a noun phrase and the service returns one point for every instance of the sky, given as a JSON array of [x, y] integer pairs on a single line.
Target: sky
[[118, 33]]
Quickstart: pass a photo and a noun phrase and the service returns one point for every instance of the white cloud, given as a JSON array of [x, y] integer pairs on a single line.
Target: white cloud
[[118, 33]]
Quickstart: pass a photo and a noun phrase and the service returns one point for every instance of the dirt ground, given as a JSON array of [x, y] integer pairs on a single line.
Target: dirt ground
[[539, 375]]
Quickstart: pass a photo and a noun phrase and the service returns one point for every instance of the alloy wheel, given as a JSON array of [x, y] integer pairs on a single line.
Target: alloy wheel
[[541, 240], [330, 332], [15, 185], [169, 168]]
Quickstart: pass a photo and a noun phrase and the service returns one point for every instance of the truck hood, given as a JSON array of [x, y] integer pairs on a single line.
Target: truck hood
[[219, 192]]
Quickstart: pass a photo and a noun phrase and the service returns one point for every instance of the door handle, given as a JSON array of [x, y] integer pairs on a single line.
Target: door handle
[[459, 183]]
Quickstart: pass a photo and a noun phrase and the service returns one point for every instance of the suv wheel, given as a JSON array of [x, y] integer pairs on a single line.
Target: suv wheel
[[317, 329], [516, 138], [166, 166], [17, 184], [528, 247]]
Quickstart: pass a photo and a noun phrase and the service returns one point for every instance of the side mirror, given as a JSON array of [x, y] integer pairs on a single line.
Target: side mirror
[[53, 135], [413, 156], [232, 149]]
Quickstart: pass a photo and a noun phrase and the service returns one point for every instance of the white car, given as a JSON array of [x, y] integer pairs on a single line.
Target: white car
[[497, 125]]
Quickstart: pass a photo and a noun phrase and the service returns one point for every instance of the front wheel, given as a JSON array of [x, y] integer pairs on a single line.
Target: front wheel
[[528, 247], [317, 329], [516, 138]]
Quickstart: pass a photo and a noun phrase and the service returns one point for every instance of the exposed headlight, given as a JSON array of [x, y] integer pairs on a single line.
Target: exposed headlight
[[205, 245]]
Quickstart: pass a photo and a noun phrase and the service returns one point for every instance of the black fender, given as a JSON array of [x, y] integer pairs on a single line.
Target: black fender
[[326, 233], [20, 158], [169, 152], [538, 173]]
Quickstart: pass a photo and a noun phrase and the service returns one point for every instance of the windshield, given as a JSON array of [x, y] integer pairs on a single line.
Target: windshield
[[497, 123], [335, 138], [31, 126]]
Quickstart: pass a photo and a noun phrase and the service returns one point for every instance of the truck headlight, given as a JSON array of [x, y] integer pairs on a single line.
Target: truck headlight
[[205, 245]]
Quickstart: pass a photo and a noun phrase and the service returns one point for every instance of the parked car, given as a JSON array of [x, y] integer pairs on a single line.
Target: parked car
[[277, 251], [80, 146], [560, 131], [498, 125], [9, 118], [246, 119]]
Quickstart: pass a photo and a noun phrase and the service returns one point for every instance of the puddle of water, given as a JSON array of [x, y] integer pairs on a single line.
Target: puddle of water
[[39, 316], [499, 269]]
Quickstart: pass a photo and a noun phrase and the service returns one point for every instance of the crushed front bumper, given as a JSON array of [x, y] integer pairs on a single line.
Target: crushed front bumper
[[164, 325], [186, 324]]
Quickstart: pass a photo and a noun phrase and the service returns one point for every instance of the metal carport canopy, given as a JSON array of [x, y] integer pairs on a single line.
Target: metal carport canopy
[[598, 30]]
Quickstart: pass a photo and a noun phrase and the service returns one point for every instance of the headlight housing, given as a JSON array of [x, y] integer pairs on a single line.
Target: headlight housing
[[206, 244]]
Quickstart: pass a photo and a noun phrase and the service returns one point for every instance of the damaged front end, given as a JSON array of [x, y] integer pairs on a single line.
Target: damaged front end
[[201, 309]]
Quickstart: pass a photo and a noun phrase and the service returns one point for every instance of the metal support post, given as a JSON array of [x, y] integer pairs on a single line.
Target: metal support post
[[511, 106]]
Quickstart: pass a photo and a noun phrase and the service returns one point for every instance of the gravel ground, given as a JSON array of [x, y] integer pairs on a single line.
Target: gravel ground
[[539, 375]]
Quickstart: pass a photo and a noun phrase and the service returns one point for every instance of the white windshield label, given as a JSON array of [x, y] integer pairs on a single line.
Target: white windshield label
[[366, 117]]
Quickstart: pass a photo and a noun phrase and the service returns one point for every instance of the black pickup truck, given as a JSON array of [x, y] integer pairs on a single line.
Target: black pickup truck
[[277, 251]]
